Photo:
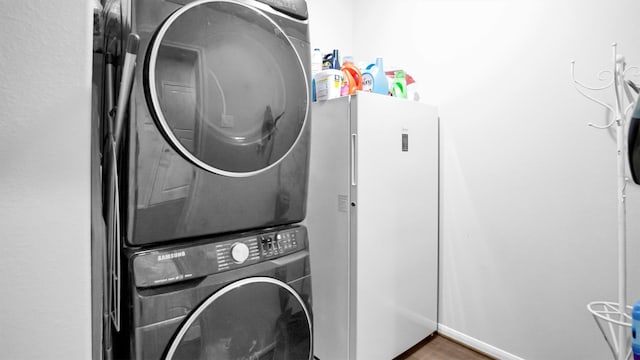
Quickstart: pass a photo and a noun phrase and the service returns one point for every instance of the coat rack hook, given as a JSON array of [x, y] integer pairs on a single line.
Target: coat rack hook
[[600, 127], [580, 86]]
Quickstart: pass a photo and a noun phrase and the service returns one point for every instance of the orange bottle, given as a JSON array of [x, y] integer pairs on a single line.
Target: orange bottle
[[353, 77]]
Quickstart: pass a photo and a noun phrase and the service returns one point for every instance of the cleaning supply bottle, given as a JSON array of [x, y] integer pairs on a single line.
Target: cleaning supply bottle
[[326, 61], [399, 85], [335, 59], [316, 67], [316, 61], [352, 76], [331, 60], [344, 87], [374, 79]]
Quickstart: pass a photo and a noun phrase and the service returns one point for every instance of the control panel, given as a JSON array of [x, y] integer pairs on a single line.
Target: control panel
[[237, 252], [278, 243], [171, 265]]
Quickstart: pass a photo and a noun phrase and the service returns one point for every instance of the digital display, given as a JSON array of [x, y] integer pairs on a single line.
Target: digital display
[[278, 244]]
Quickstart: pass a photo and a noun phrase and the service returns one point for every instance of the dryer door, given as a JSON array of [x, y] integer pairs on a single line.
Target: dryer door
[[226, 87], [257, 318]]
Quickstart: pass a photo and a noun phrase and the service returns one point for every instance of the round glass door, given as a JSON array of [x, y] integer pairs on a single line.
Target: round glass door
[[257, 318], [226, 87]]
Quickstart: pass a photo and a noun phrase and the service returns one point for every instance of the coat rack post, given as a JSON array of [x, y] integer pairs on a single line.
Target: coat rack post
[[611, 316]]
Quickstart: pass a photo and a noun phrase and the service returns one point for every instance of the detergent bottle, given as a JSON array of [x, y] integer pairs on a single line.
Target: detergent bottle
[[316, 67], [335, 59], [374, 78], [331, 60], [316, 61], [399, 85], [352, 77]]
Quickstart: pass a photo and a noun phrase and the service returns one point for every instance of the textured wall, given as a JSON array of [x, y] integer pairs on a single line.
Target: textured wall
[[45, 92]]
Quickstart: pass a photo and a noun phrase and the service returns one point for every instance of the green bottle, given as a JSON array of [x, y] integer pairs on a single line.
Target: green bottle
[[399, 85]]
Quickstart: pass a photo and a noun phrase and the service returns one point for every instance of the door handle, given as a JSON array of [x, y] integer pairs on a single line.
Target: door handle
[[354, 140]]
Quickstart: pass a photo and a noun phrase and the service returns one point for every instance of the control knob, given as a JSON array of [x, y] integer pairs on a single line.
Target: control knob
[[239, 252]]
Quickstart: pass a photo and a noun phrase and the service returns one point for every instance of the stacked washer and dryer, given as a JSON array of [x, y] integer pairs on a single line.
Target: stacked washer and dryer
[[209, 180]]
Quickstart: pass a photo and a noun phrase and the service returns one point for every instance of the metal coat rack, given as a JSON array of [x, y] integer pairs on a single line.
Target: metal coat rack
[[614, 319]]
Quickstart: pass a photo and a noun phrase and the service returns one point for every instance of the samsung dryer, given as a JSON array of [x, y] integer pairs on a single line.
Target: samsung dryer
[[217, 137], [236, 297]]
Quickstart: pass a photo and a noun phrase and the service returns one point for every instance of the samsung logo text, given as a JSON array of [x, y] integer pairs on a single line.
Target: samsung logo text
[[170, 256]]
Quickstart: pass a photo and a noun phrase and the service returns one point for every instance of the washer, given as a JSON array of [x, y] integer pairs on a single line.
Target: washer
[[217, 138], [241, 297]]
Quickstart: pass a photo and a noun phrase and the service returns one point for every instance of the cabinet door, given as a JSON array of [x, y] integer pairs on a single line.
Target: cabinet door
[[397, 227]]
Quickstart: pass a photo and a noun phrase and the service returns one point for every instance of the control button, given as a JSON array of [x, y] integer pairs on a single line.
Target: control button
[[239, 252]]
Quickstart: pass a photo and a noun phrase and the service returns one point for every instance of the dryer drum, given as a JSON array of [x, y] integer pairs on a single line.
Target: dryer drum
[[226, 87], [257, 318]]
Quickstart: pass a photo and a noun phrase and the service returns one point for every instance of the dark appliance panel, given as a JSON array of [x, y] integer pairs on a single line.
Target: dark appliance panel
[[210, 300], [219, 131]]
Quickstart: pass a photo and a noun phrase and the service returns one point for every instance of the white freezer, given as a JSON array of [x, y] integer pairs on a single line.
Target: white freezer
[[373, 225]]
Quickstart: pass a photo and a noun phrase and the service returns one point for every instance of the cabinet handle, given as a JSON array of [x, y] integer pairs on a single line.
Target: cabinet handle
[[354, 139]]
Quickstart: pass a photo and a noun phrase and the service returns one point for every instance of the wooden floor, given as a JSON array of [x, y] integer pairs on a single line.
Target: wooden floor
[[438, 347]]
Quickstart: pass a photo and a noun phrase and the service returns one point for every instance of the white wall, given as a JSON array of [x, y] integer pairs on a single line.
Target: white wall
[[45, 92], [528, 191], [330, 25]]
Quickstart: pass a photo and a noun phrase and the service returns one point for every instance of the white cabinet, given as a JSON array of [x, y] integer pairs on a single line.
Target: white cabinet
[[373, 225]]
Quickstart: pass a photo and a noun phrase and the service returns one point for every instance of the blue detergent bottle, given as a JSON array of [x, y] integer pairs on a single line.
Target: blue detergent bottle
[[635, 331], [374, 79]]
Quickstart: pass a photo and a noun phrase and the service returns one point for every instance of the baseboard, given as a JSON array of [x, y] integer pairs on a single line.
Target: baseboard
[[476, 344]]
